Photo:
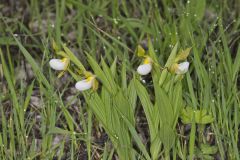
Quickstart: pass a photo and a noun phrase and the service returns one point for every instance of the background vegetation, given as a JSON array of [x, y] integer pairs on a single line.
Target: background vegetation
[[43, 117]]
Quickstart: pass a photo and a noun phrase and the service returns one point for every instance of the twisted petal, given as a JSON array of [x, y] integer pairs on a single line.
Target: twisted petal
[[58, 64], [144, 69], [182, 68], [84, 84]]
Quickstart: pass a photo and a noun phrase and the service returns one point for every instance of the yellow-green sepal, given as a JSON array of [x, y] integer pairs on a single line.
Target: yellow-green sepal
[[61, 74], [55, 46], [95, 84], [182, 55], [140, 51], [87, 74], [173, 68], [62, 54]]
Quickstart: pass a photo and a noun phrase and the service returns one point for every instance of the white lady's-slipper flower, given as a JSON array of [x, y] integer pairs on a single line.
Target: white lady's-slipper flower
[[182, 68], [87, 83], [146, 67], [59, 64]]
